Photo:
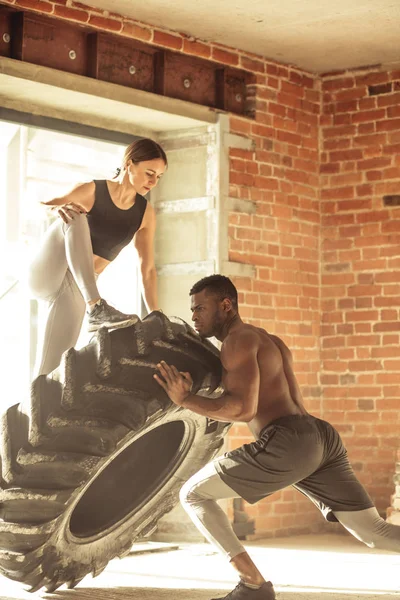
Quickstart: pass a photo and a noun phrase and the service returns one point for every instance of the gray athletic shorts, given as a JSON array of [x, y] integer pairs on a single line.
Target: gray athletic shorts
[[297, 450]]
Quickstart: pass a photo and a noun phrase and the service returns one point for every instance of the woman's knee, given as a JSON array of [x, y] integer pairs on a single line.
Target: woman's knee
[[78, 221]]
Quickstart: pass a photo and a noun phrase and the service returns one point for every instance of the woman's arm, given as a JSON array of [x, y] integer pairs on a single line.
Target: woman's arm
[[144, 244], [80, 200]]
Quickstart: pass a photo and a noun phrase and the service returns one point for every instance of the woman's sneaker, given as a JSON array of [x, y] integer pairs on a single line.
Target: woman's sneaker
[[104, 315], [242, 592]]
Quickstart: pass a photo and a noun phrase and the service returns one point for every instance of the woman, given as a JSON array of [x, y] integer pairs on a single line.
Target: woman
[[99, 218]]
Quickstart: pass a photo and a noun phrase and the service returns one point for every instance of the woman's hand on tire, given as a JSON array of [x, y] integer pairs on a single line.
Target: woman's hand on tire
[[177, 384]]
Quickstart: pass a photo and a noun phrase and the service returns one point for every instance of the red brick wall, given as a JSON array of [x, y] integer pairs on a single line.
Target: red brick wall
[[360, 333], [353, 381]]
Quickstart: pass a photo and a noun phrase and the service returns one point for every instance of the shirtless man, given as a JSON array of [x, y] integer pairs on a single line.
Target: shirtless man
[[292, 447]]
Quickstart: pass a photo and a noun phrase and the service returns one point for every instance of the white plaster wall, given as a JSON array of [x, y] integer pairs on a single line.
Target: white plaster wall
[[181, 238], [184, 253], [187, 174]]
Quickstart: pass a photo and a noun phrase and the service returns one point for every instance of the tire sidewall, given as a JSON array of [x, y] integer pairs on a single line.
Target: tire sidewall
[[72, 557]]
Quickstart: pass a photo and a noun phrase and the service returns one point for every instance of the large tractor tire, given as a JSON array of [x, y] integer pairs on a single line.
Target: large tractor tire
[[98, 454]]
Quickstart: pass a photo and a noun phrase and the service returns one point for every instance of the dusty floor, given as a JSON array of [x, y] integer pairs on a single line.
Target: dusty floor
[[323, 567]]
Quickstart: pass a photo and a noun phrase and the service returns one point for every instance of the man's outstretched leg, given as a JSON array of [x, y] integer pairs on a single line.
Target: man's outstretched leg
[[335, 487], [199, 498], [369, 527]]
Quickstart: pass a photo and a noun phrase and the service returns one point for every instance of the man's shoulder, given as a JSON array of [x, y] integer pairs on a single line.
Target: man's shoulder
[[243, 337], [250, 338]]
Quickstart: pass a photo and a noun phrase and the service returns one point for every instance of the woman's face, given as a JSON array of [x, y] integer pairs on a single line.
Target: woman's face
[[146, 174]]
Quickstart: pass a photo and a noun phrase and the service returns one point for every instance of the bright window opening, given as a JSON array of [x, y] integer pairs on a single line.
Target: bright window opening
[[37, 165]]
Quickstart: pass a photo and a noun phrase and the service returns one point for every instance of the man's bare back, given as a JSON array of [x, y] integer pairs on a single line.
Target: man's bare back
[[279, 393]]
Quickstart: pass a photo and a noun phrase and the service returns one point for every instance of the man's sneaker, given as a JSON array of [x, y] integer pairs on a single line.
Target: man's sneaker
[[104, 315], [242, 592]]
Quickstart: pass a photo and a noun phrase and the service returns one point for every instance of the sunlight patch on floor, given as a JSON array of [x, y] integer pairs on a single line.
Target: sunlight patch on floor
[[314, 566]]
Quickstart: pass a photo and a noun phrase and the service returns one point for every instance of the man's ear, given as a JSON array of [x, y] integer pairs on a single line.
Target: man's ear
[[226, 304]]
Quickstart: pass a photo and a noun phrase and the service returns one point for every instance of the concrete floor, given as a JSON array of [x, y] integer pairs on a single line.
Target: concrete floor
[[318, 567]]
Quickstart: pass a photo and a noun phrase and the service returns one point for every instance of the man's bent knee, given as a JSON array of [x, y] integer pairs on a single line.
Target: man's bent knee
[[200, 486], [188, 493]]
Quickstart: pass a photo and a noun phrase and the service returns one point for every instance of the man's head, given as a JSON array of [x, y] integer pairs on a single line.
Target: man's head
[[214, 301]]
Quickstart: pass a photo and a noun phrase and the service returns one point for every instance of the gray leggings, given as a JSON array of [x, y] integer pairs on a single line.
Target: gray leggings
[[62, 275], [199, 498]]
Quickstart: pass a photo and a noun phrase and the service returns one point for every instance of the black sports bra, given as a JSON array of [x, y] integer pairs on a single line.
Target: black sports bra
[[112, 228]]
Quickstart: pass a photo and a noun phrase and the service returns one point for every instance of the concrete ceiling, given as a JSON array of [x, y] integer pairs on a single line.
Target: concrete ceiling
[[317, 35]]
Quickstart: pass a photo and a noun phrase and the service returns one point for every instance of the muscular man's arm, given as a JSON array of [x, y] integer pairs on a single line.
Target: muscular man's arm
[[241, 381]]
